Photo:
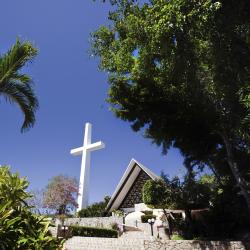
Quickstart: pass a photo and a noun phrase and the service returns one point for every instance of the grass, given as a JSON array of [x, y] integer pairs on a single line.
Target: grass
[[177, 237]]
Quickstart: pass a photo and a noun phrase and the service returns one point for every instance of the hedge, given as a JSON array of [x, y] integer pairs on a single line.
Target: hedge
[[146, 217], [148, 212], [93, 232]]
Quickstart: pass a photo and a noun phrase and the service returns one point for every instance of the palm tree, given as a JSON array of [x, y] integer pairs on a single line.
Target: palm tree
[[15, 86]]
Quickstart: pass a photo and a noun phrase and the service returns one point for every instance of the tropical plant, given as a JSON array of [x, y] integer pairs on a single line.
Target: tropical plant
[[60, 194], [179, 71], [16, 86], [19, 227]]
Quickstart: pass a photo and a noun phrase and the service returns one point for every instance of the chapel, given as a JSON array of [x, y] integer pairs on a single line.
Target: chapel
[[129, 190]]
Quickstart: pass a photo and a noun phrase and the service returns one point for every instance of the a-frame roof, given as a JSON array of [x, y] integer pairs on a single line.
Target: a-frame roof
[[126, 182]]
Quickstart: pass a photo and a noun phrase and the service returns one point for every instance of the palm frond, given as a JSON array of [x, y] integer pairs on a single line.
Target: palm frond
[[15, 86], [13, 93], [26, 79], [28, 92], [15, 59]]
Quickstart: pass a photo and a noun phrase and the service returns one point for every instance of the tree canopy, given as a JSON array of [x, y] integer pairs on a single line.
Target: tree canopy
[[60, 194], [176, 194], [180, 70], [215, 212]]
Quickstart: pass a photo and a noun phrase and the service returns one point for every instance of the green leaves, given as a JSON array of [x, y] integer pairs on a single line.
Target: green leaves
[[15, 59], [176, 194], [179, 71], [19, 227], [16, 86], [97, 209], [154, 193]]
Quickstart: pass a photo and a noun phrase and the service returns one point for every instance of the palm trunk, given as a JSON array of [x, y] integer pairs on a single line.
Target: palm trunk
[[235, 170]]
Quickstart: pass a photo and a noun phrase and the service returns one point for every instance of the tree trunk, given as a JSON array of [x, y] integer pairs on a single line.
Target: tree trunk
[[62, 209], [235, 170], [170, 226], [188, 215], [217, 176]]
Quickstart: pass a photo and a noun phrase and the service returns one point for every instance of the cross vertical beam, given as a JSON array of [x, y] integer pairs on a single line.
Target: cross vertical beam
[[85, 150]]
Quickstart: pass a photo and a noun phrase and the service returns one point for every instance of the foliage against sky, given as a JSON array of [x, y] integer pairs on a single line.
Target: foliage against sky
[[179, 71], [16, 86], [71, 92]]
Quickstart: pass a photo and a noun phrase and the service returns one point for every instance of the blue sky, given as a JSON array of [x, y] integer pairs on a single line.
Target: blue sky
[[71, 91]]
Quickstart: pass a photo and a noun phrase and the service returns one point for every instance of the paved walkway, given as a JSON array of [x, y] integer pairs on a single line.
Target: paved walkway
[[139, 240], [127, 243]]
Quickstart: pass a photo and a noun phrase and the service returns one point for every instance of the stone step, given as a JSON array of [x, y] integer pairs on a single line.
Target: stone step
[[137, 235], [90, 243]]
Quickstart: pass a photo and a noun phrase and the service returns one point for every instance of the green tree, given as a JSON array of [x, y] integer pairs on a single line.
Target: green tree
[[60, 194], [16, 86], [189, 194], [19, 227], [179, 70], [222, 220], [97, 209], [154, 193], [176, 194]]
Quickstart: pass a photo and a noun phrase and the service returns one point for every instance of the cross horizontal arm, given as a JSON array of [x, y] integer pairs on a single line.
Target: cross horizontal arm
[[95, 146], [90, 147], [77, 151]]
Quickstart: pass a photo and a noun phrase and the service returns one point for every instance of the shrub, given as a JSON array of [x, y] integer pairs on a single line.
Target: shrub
[[93, 232], [19, 227], [177, 237], [115, 226], [146, 217], [153, 192], [148, 212], [118, 213], [95, 210]]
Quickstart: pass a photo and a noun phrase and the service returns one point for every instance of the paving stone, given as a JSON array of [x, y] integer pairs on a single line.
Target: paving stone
[[130, 242]]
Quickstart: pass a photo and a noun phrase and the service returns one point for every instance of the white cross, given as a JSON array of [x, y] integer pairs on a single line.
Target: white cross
[[83, 193]]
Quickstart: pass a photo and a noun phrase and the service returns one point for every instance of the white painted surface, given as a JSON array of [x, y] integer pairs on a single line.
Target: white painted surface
[[132, 218], [140, 207], [128, 210], [83, 192]]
